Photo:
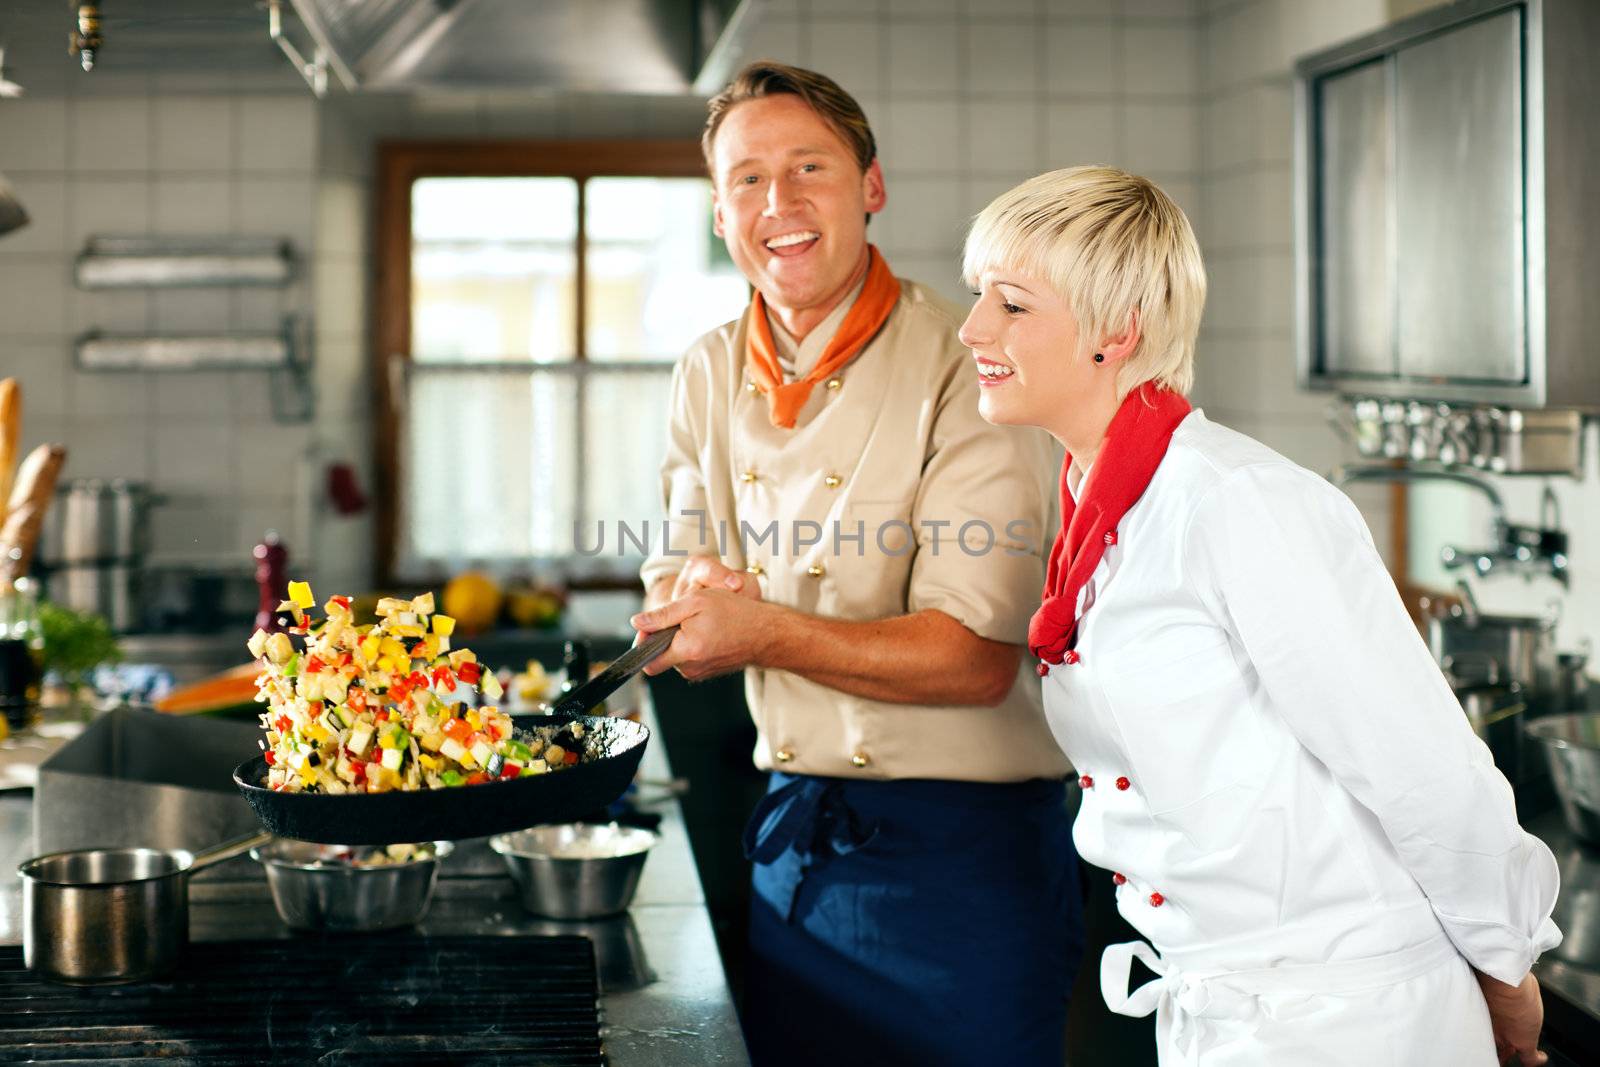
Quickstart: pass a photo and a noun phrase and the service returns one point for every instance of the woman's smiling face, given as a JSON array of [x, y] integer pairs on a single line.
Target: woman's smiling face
[[1032, 370]]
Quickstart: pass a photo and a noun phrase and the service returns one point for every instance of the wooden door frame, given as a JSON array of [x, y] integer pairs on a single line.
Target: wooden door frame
[[400, 164]]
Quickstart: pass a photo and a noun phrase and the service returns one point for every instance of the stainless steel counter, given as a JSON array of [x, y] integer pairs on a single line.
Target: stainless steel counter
[[1570, 973], [665, 999]]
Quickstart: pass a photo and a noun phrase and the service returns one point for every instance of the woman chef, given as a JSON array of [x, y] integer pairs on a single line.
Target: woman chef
[[1321, 852]]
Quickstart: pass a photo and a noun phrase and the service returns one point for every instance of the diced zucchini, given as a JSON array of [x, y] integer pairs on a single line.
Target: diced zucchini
[[392, 758], [454, 750], [360, 738]]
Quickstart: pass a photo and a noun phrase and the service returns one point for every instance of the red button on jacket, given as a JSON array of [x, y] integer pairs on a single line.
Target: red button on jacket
[[1043, 668], [1086, 782], [1123, 783], [1156, 900], [1073, 657], [1118, 879]]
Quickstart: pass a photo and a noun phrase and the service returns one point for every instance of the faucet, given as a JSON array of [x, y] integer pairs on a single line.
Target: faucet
[[1516, 547]]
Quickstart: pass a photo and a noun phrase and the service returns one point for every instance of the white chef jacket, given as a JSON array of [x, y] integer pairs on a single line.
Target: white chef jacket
[[1300, 818]]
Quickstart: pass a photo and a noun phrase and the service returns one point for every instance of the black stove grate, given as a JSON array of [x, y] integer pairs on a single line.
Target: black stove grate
[[372, 998]]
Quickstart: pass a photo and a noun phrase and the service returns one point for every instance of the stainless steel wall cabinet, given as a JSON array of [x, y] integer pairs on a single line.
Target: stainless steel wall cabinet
[[1446, 241]]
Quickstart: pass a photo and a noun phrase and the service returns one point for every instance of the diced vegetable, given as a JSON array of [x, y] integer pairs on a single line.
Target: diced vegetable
[[370, 708]]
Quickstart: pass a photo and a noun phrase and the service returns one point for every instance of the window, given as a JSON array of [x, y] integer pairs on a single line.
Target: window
[[542, 313]]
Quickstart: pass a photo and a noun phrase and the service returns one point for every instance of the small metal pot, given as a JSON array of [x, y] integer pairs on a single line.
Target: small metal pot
[[312, 892], [1572, 744], [576, 870], [101, 916], [1496, 715]]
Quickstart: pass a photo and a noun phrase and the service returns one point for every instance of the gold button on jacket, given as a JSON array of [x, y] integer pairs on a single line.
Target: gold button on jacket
[[903, 447]]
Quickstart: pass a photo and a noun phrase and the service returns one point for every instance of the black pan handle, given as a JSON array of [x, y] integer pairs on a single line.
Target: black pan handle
[[578, 701]]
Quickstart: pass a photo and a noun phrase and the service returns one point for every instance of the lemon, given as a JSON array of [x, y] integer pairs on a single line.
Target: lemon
[[473, 600]]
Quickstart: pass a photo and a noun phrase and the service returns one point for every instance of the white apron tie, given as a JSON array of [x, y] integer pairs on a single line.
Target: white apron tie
[[1189, 998]]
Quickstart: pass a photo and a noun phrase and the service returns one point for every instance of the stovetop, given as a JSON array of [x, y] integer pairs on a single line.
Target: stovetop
[[370, 998]]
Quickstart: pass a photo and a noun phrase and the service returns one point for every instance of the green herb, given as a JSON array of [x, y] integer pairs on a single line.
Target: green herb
[[75, 643]]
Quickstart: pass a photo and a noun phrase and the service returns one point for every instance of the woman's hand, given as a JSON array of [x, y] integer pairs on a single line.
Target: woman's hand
[[1517, 1014]]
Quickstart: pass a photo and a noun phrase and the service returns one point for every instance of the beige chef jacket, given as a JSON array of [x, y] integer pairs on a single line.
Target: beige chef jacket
[[890, 495]]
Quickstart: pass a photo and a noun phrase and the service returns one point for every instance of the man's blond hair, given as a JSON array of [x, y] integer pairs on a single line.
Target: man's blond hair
[[821, 94], [1117, 249]]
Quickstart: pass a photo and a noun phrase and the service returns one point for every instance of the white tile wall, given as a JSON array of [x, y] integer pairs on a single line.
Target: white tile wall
[[967, 97], [145, 163], [1245, 361]]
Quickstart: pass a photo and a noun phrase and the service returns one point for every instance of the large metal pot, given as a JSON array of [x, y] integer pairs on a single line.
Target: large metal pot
[[1572, 745], [100, 916], [1475, 648], [98, 521], [314, 890]]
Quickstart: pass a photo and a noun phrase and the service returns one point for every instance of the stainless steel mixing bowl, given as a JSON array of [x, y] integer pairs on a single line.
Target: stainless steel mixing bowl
[[1572, 745], [315, 893], [575, 870]]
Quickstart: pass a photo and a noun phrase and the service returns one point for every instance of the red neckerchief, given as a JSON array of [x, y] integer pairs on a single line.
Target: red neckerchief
[[1134, 445]]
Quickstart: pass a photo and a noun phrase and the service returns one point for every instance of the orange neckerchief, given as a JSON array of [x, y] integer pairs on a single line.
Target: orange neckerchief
[[861, 324]]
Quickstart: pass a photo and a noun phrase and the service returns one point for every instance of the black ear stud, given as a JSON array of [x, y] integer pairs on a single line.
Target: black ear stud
[[1099, 357]]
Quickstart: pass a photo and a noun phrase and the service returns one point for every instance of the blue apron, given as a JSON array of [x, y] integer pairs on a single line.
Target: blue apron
[[919, 922]]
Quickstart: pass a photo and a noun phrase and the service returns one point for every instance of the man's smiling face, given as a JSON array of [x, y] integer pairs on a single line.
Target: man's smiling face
[[792, 202]]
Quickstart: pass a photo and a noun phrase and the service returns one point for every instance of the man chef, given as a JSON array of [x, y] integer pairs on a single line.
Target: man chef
[[845, 529]]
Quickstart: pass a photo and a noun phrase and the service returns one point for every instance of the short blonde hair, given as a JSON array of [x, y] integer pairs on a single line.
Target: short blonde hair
[[1112, 245]]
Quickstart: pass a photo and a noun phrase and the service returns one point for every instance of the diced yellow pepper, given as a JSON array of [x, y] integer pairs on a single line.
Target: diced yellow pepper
[[472, 719], [369, 648], [427, 761], [300, 595], [444, 625]]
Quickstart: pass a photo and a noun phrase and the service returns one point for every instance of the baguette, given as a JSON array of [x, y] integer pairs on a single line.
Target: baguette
[[30, 499], [10, 436]]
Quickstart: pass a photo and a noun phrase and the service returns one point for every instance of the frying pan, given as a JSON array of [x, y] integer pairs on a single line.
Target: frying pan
[[475, 810]]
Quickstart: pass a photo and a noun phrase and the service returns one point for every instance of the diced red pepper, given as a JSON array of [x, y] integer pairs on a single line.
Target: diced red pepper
[[571, 758], [478, 779], [470, 673], [399, 691], [271, 758], [416, 679], [315, 709], [360, 771], [382, 715], [442, 677], [343, 660], [510, 770], [283, 723], [458, 730], [313, 665], [491, 731], [342, 601]]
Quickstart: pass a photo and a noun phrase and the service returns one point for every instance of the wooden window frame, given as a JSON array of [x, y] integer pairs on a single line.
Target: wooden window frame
[[400, 164]]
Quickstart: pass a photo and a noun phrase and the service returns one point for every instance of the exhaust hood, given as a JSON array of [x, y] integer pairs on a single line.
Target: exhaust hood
[[604, 46]]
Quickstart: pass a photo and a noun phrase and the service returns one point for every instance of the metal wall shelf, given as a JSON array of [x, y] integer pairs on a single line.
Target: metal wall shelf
[[174, 262]]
